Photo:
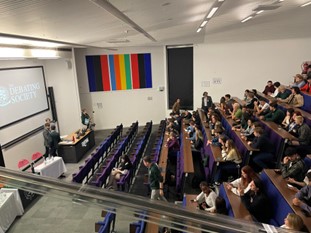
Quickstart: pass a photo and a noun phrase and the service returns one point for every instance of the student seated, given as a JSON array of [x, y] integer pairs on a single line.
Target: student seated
[[118, 172], [242, 184], [298, 81], [303, 197], [295, 99], [256, 201], [265, 155], [288, 118], [206, 199], [215, 141], [231, 158], [303, 133], [293, 222], [220, 206], [236, 114], [276, 91], [307, 86], [275, 114], [198, 142], [300, 184], [283, 93], [269, 88], [261, 107], [292, 128], [293, 166]]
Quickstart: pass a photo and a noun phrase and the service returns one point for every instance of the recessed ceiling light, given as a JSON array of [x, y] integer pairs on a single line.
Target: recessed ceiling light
[[259, 12], [199, 29], [246, 19], [212, 12], [203, 23], [306, 4]]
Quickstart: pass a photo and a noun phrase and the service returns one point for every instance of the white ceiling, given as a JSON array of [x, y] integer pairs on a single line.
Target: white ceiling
[[169, 22]]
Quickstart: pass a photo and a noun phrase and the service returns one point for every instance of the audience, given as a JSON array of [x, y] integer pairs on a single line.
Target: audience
[[276, 91], [300, 184], [261, 107], [283, 93], [293, 222], [230, 159], [262, 158], [303, 197], [118, 172], [298, 81], [307, 86], [295, 99], [276, 115], [220, 206], [198, 142], [256, 201], [242, 184], [293, 166], [206, 199], [269, 88], [288, 119], [303, 133], [236, 114]]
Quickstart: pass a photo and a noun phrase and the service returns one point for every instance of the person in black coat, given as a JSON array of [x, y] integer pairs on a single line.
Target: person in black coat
[[256, 201], [55, 139], [264, 156], [207, 102]]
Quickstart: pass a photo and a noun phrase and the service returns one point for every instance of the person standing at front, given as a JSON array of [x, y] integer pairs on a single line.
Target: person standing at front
[[155, 179], [47, 138]]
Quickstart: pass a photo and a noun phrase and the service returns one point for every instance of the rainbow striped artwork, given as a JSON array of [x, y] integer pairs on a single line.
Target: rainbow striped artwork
[[119, 72]]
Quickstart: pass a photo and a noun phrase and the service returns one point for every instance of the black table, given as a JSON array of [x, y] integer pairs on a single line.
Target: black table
[[72, 152]]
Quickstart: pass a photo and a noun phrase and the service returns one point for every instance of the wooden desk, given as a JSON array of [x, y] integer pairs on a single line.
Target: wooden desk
[[163, 157], [152, 227], [193, 207], [186, 151], [238, 209], [72, 152], [287, 193]]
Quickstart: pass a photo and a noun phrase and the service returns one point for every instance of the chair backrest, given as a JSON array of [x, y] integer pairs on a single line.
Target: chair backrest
[[36, 156], [22, 163]]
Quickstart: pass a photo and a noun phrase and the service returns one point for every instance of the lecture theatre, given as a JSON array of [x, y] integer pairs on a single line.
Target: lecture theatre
[[107, 105]]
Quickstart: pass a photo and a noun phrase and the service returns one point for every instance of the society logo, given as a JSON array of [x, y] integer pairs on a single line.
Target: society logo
[[4, 97]]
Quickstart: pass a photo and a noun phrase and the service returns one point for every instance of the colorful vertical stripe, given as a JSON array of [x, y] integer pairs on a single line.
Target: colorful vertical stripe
[[119, 72]]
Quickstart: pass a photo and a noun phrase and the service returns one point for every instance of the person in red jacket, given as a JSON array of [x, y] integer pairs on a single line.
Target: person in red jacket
[[307, 86]]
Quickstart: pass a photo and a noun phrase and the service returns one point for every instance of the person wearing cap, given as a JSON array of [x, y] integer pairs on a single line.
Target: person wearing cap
[[275, 114], [256, 201], [303, 197], [299, 81], [307, 86], [293, 166], [295, 99]]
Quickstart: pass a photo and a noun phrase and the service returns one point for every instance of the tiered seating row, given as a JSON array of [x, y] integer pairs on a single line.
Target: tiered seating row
[[92, 163], [101, 176], [135, 157]]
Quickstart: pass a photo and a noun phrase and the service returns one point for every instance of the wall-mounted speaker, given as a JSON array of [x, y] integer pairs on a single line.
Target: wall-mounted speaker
[[52, 103]]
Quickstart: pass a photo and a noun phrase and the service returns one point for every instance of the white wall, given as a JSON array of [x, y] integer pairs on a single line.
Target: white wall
[[63, 80], [129, 105], [246, 65]]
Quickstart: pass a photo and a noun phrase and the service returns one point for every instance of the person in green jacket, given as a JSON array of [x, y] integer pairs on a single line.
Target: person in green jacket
[[276, 115], [155, 179]]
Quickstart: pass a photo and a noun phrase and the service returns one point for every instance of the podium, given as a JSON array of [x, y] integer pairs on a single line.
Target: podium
[[72, 151]]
